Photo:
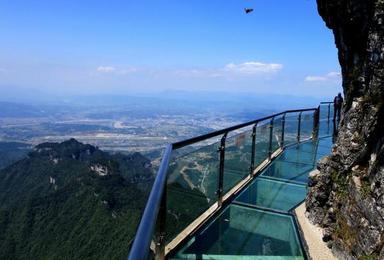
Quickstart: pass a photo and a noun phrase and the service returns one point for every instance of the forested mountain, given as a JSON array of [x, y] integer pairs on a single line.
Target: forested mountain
[[71, 201], [11, 152]]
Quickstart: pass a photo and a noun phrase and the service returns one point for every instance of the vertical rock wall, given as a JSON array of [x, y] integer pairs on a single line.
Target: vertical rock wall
[[347, 196]]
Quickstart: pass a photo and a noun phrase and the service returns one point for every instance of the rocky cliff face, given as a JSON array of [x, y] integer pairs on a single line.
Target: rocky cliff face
[[347, 196]]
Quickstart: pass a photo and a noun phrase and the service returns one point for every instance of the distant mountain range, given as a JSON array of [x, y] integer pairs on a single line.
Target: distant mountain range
[[179, 102], [71, 201]]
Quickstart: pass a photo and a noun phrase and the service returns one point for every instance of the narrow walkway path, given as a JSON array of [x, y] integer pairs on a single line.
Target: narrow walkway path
[[313, 236], [259, 224]]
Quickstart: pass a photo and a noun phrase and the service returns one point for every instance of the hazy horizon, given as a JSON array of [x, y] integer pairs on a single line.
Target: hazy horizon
[[51, 49]]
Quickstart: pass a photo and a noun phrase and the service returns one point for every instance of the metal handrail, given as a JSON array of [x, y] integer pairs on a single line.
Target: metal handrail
[[140, 247], [141, 244], [193, 140]]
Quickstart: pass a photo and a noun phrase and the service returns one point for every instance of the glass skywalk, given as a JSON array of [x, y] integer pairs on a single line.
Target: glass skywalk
[[258, 224], [195, 209]]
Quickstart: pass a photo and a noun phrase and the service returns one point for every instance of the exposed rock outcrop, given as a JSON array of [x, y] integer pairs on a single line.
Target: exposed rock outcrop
[[347, 196]]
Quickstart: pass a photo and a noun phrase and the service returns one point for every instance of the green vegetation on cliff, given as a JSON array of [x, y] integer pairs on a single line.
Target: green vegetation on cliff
[[71, 201], [11, 152]]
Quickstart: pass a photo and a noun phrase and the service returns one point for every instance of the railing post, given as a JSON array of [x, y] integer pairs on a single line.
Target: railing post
[[253, 153], [316, 120], [270, 137], [282, 131], [221, 170], [160, 228], [329, 112], [299, 127]]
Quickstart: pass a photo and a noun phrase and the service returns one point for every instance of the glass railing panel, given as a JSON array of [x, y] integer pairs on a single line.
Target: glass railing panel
[[238, 153], [325, 122], [273, 194], [241, 232], [332, 111], [291, 126], [306, 125], [325, 128], [324, 112], [262, 142], [191, 186], [277, 132]]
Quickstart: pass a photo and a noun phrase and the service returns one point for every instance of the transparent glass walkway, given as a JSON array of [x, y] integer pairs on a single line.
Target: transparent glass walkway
[[258, 223]]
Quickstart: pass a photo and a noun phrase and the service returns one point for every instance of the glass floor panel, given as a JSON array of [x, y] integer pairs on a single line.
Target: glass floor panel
[[296, 155], [319, 150], [241, 232], [250, 227], [289, 171], [325, 128], [273, 194], [323, 150], [306, 152], [326, 142], [309, 147]]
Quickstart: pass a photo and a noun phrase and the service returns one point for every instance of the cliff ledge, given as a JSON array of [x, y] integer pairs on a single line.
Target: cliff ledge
[[347, 197]]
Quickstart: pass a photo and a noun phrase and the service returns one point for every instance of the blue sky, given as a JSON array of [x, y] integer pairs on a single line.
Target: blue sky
[[123, 47]]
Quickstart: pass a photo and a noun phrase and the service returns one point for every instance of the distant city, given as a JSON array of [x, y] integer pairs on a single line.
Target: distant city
[[131, 124]]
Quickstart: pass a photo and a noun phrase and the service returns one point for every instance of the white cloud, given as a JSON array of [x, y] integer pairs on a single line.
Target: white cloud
[[253, 67], [113, 70], [334, 74], [315, 78], [331, 76], [106, 69], [126, 71]]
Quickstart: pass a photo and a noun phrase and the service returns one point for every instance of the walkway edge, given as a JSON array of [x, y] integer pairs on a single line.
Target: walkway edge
[[312, 236]]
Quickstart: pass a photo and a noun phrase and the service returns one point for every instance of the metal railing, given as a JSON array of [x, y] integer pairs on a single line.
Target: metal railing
[[154, 216]]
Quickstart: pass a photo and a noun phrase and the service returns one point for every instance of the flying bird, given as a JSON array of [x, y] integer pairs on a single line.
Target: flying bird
[[248, 10]]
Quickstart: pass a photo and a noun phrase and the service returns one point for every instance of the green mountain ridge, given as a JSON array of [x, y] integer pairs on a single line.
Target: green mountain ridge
[[11, 152], [71, 201]]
